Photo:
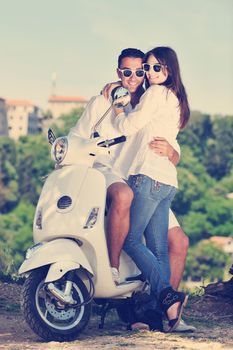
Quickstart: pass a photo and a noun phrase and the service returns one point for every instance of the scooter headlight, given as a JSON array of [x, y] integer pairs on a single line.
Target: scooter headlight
[[59, 149], [32, 249]]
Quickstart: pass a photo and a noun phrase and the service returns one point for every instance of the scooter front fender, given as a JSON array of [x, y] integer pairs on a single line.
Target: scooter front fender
[[59, 269], [57, 251]]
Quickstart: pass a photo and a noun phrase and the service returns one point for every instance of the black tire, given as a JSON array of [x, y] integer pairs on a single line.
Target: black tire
[[45, 318]]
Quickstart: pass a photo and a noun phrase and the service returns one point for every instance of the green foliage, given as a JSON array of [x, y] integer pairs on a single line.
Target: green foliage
[[219, 151], [16, 236], [66, 122], [196, 226], [224, 186], [197, 133], [8, 175], [206, 261], [33, 162]]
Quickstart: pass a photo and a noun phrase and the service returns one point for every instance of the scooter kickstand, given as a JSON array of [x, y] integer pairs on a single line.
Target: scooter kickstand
[[104, 309]]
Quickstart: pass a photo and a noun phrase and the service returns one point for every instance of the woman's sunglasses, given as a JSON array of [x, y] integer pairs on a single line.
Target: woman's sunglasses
[[156, 67], [127, 73]]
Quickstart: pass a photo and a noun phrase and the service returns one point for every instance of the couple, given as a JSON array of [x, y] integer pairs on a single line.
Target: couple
[[160, 112]]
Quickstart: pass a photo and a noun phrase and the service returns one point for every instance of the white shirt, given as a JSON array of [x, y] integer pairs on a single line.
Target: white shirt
[[96, 107], [157, 114]]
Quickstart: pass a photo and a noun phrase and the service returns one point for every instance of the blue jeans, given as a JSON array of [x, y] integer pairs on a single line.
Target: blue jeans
[[149, 215]]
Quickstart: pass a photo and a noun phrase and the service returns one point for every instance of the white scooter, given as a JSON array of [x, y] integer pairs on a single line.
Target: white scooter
[[69, 265]]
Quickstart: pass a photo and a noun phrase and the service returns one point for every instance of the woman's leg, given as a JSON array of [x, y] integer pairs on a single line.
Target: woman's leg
[[156, 234], [143, 207], [142, 210]]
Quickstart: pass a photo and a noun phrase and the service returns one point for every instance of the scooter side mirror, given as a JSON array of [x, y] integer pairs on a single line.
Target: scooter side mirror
[[51, 136], [120, 96]]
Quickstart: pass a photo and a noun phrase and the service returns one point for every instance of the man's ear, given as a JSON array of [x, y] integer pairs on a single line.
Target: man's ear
[[118, 73]]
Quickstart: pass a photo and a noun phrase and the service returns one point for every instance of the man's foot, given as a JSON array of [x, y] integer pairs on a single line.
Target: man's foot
[[184, 327], [140, 326], [115, 275], [181, 328]]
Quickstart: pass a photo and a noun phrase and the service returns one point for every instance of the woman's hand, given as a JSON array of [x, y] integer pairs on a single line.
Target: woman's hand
[[107, 89], [162, 148]]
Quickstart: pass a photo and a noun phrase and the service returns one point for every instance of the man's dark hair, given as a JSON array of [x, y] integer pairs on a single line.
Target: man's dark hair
[[135, 53]]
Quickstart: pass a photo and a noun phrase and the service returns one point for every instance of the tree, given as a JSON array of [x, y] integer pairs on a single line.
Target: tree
[[196, 226], [8, 175], [206, 261], [16, 236], [190, 190], [33, 163], [224, 187], [66, 122], [196, 134], [219, 151]]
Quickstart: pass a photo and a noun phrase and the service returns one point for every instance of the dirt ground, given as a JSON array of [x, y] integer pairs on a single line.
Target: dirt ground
[[212, 317]]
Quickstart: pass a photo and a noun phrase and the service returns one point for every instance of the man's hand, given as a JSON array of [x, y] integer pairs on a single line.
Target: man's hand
[[162, 148], [107, 89]]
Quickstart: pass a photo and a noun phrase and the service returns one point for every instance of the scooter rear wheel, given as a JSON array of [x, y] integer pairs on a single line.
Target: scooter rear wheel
[[49, 318]]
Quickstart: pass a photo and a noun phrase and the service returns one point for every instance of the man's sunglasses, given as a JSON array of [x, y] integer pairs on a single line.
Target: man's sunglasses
[[127, 73], [156, 67]]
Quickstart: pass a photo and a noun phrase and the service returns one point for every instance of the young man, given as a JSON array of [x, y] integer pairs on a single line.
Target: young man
[[119, 195]]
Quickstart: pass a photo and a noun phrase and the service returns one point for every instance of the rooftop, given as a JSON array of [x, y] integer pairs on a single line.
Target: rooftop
[[221, 240], [24, 103], [56, 98]]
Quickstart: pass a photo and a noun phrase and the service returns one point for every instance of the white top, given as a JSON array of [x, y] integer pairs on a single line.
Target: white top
[[157, 114]]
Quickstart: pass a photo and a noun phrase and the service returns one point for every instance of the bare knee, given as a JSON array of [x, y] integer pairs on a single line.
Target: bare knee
[[178, 242], [120, 195]]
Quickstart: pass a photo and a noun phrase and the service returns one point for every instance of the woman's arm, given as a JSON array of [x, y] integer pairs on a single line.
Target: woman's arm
[[143, 113], [164, 149]]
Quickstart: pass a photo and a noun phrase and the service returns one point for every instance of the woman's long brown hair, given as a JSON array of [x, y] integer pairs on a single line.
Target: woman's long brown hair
[[167, 57]]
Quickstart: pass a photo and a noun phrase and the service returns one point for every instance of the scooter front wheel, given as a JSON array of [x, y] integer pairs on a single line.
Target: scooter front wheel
[[48, 317]]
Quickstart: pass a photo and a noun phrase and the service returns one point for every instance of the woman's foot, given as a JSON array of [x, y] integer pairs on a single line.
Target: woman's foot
[[172, 303], [173, 311]]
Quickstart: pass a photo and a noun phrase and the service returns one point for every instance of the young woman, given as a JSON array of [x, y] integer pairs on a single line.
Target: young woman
[[162, 111]]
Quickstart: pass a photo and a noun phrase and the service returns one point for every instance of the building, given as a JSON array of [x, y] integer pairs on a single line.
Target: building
[[3, 118], [226, 243], [23, 118], [59, 105]]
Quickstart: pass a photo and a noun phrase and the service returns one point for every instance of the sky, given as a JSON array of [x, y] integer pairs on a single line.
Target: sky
[[79, 41]]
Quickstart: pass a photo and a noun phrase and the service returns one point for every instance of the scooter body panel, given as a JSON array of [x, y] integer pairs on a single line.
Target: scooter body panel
[[66, 200], [56, 251]]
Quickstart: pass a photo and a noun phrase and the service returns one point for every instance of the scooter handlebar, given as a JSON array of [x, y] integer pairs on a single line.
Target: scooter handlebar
[[112, 142]]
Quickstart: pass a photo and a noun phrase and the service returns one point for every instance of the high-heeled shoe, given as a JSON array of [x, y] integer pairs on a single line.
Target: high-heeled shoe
[[169, 297]]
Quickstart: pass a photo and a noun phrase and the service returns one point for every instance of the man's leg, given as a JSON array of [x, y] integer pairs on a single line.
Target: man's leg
[[178, 244], [120, 197]]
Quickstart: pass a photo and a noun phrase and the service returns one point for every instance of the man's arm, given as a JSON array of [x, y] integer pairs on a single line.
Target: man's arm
[[84, 125]]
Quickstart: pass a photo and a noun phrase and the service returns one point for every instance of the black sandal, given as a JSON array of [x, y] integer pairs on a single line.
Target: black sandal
[[167, 298]]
